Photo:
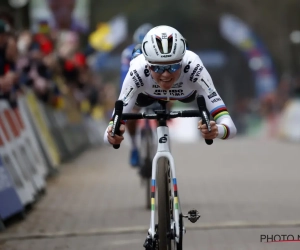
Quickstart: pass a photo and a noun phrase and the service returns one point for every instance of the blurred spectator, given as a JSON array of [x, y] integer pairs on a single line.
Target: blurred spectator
[[24, 41], [63, 18], [50, 63], [67, 44], [8, 57], [34, 66], [7, 17]]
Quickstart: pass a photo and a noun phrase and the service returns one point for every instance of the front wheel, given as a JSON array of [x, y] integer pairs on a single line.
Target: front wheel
[[146, 167], [166, 240]]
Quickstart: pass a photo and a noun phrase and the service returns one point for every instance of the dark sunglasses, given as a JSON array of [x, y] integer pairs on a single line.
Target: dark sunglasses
[[171, 68]]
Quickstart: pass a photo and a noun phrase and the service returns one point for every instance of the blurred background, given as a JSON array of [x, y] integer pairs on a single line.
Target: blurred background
[[60, 73], [251, 49]]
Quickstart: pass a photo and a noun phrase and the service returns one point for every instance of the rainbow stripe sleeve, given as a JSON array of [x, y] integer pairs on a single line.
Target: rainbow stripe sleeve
[[226, 132], [219, 111]]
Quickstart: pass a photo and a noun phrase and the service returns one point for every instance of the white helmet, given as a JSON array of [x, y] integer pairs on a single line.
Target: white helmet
[[162, 44], [140, 32]]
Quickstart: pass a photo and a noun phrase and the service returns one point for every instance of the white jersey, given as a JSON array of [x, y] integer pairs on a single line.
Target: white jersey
[[194, 79]]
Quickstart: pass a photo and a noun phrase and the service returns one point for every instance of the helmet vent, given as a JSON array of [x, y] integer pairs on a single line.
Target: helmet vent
[[184, 45], [165, 47], [144, 48]]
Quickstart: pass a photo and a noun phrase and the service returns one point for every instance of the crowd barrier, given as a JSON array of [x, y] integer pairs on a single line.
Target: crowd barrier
[[35, 139]]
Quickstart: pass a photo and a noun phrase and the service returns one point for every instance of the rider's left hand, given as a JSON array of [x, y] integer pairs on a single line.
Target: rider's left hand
[[204, 131]]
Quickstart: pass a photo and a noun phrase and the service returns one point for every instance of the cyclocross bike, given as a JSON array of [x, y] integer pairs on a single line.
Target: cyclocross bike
[[165, 233]]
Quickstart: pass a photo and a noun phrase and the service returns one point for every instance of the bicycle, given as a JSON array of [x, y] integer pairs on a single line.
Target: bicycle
[[167, 233]]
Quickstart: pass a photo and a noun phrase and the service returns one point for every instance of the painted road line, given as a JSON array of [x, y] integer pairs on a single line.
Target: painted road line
[[142, 229]]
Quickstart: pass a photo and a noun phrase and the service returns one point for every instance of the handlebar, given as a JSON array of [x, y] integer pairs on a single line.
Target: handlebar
[[161, 114], [157, 115]]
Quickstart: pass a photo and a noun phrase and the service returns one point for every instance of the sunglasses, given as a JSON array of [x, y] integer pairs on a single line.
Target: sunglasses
[[171, 68]]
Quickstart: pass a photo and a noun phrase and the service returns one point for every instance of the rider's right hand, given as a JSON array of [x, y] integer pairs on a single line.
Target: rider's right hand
[[117, 139]]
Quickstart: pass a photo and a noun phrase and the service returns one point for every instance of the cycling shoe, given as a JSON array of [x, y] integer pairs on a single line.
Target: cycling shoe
[[134, 158]]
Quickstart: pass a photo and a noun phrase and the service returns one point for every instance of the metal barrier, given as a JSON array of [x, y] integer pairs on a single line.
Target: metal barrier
[[34, 140], [19, 173], [10, 203]]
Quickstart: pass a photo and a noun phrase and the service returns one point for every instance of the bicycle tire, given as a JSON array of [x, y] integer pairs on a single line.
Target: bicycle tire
[[164, 240], [146, 169]]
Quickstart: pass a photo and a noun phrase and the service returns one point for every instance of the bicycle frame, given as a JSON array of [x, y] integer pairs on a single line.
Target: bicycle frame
[[163, 150]]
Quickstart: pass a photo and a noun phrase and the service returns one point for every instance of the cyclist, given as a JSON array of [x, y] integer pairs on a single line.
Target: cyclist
[[166, 70], [126, 57]]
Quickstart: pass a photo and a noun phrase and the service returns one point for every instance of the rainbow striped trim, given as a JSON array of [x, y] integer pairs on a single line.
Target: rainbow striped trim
[[219, 111], [226, 132], [175, 193], [153, 195], [176, 206]]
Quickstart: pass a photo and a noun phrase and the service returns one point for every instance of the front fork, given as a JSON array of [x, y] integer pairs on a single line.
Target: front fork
[[163, 150]]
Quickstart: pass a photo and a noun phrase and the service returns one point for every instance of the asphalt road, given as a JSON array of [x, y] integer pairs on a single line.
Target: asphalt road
[[245, 190]]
